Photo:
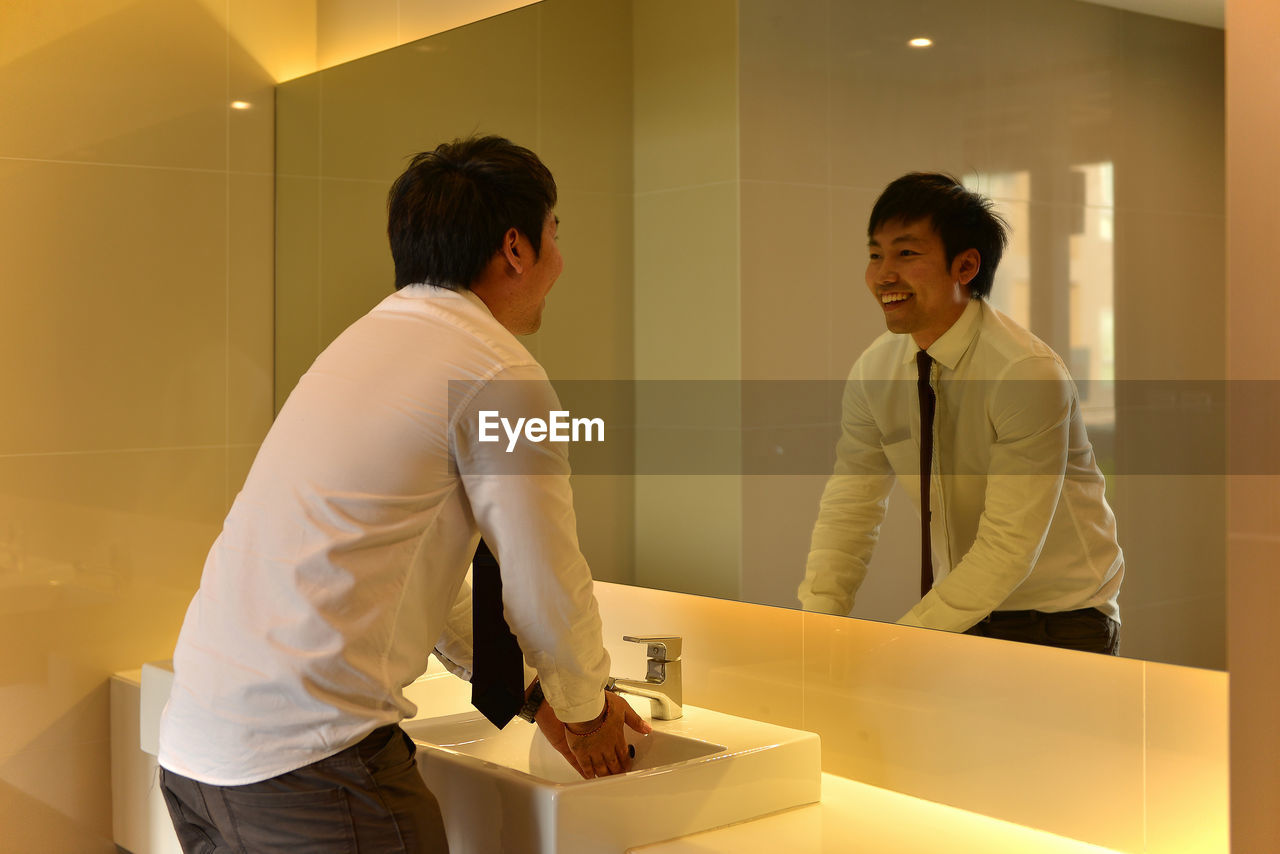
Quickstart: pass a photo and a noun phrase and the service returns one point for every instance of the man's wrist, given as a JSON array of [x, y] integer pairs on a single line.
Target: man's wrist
[[532, 702], [593, 726]]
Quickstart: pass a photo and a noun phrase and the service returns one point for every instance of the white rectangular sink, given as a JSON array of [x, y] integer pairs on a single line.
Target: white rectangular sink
[[508, 790]]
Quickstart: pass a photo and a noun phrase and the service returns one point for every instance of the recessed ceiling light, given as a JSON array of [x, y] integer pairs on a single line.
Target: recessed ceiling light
[[921, 42], [240, 105]]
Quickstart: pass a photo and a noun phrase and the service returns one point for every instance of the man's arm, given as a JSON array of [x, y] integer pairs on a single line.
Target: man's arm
[[519, 493], [851, 511], [1030, 411], [454, 648]]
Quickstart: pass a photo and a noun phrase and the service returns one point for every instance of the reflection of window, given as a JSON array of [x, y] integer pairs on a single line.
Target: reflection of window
[[1092, 310], [1085, 338], [1011, 193]]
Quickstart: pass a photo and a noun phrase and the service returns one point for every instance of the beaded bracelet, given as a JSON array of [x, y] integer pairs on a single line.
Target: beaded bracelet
[[604, 716]]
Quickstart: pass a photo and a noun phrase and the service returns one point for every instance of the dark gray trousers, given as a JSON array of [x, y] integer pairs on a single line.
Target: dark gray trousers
[[1087, 629], [367, 799]]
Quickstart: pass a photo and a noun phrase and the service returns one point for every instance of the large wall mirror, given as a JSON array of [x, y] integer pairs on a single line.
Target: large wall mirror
[[717, 161]]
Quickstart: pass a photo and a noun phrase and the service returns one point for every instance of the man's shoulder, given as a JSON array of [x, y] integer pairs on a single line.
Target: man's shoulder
[[882, 355], [459, 321], [1007, 342]]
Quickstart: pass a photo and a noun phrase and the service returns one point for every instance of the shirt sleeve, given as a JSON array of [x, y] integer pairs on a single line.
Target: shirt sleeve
[[1030, 413], [454, 649], [850, 512], [519, 492]]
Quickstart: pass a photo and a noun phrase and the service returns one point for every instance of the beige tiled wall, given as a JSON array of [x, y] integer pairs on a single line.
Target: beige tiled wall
[[1125, 754], [1253, 497], [135, 356]]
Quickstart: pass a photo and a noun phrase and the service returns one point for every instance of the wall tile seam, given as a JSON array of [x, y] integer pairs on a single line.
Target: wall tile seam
[[109, 164], [62, 746], [151, 450], [658, 191]]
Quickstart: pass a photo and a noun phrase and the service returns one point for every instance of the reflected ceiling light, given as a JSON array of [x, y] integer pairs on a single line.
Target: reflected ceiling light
[[921, 42], [240, 105]]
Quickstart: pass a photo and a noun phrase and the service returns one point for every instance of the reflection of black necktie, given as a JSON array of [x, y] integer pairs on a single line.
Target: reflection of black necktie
[[928, 403], [497, 667]]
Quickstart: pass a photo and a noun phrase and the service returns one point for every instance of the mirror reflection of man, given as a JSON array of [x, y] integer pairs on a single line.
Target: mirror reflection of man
[[1019, 542], [341, 566]]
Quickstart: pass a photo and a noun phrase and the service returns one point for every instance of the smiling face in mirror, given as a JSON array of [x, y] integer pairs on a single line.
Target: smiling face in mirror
[[920, 293]]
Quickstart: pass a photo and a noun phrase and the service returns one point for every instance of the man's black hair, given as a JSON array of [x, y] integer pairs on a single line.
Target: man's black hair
[[963, 219], [448, 212]]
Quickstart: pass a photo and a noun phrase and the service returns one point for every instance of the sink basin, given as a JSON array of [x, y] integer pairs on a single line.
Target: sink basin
[[508, 790]]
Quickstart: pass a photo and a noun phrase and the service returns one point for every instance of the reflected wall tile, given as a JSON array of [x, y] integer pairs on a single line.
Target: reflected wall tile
[[366, 131], [346, 30], [586, 327], [1170, 112], [91, 79], [93, 363], [786, 278], [1190, 632], [57, 799], [1172, 531], [896, 109], [778, 512], [688, 533], [784, 75], [297, 128], [297, 281], [687, 302], [585, 94], [357, 272], [855, 319], [1170, 275], [946, 717], [606, 510], [686, 93], [1051, 72], [250, 309], [738, 658], [1187, 747]]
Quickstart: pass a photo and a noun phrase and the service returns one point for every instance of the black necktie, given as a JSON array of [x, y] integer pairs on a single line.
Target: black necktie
[[928, 402], [497, 667]]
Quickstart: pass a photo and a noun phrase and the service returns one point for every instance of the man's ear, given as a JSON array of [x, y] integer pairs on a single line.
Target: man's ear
[[965, 266], [511, 250]]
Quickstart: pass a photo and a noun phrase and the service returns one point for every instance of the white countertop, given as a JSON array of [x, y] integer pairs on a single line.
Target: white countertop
[[855, 816]]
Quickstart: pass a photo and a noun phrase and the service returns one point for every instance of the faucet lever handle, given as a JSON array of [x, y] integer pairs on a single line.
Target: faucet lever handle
[[660, 647]]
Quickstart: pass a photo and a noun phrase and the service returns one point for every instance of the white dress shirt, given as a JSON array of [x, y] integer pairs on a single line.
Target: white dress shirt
[[1019, 518], [342, 563]]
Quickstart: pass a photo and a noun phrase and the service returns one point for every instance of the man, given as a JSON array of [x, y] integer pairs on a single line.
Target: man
[[1018, 540], [341, 565]]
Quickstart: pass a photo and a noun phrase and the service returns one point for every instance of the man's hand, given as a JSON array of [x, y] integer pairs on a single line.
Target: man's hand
[[600, 746], [554, 731]]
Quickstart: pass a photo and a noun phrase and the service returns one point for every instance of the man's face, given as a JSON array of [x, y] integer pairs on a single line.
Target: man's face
[[909, 277], [542, 275]]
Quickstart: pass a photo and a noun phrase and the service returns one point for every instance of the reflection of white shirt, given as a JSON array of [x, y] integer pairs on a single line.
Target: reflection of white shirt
[[342, 562], [1019, 518]]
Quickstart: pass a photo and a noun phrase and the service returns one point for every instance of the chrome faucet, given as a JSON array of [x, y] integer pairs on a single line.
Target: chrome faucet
[[661, 684]]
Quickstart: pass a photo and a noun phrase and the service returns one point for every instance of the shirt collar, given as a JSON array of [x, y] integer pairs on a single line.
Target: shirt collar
[[953, 343], [419, 290]]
